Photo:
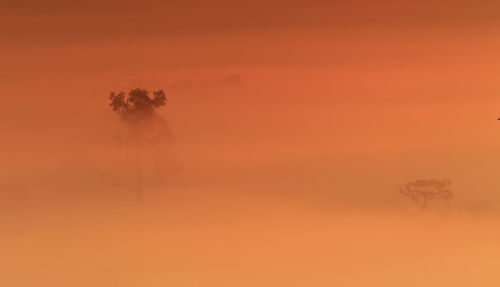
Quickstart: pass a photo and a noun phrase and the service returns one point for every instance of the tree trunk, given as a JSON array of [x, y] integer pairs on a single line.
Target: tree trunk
[[139, 176]]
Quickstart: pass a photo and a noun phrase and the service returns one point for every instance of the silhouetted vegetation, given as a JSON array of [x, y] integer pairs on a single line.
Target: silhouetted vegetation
[[138, 112], [423, 192]]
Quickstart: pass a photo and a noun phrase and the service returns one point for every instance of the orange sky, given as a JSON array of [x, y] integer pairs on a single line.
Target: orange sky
[[384, 91], [338, 103]]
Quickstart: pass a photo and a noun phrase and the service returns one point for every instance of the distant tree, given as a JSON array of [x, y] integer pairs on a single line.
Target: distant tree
[[423, 192], [138, 113]]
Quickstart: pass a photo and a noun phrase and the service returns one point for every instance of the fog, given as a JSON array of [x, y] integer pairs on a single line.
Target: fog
[[292, 134]]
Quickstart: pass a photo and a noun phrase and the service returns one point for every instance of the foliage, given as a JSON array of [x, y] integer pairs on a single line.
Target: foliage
[[423, 192], [137, 111]]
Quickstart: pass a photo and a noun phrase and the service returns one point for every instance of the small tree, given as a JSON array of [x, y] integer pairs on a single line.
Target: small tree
[[137, 112], [423, 192]]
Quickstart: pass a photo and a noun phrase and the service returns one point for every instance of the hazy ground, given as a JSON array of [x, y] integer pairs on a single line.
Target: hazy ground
[[245, 241], [267, 183]]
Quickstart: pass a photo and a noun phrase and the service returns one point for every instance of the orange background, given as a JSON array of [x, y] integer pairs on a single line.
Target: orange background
[[288, 177]]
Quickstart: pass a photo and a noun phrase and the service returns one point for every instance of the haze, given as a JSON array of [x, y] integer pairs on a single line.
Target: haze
[[294, 125]]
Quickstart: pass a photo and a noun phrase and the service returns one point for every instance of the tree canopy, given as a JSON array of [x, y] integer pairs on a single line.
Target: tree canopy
[[138, 106], [137, 110], [423, 192]]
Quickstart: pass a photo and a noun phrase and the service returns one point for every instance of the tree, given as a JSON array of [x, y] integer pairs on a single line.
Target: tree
[[423, 192], [138, 113]]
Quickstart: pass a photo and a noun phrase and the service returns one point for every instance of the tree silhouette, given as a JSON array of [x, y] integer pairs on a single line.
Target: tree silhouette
[[423, 192], [138, 113]]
